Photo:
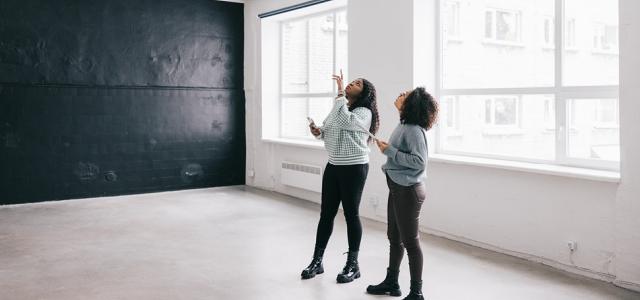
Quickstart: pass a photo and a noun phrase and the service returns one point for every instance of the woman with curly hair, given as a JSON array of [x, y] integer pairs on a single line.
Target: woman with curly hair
[[405, 170], [346, 172]]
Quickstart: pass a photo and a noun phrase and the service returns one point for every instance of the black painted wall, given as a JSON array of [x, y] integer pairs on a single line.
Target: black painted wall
[[110, 97]]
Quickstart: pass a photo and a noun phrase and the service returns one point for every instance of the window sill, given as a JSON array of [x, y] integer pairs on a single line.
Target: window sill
[[605, 52], [454, 39], [606, 126], [310, 144], [495, 42], [502, 131], [555, 170]]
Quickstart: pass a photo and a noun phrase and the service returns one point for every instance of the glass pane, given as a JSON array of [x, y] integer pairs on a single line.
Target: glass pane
[[294, 57], [452, 21], [342, 59], [495, 48], [507, 26], [294, 118], [505, 110], [488, 25], [518, 126], [319, 108], [321, 53], [591, 38], [448, 112], [594, 129]]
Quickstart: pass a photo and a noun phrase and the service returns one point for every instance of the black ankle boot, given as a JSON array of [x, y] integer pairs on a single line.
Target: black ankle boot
[[389, 286], [416, 291], [315, 267], [351, 270]]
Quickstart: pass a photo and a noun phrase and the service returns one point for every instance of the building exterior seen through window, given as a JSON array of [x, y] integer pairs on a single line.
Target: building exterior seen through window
[[312, 48], [508, 92]]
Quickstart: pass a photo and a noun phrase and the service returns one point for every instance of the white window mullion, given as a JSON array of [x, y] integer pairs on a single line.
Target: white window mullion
[[308, 38], [560, 100], [335, 47], [280, 81], [439, 80]]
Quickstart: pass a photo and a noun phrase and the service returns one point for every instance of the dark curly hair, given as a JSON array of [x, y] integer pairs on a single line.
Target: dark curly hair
[[367, 99], [419, 108]]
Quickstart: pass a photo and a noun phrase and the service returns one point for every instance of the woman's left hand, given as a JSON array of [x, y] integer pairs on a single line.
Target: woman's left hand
[[340, 82], [382, 145]]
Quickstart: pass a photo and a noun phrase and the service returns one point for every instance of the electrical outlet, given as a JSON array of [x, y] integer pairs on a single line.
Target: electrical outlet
[[572, 245]]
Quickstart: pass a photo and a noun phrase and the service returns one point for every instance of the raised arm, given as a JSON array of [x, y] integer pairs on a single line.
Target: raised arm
[[358, 119]]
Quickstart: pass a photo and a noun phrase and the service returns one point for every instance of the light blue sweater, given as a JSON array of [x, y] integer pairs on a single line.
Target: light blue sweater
[[406, 155]]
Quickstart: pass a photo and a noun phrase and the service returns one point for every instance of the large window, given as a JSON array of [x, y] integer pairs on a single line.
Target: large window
[[312, 48], [530, 80]]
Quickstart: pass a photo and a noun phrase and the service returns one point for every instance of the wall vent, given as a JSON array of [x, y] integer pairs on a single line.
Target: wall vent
[[308, 177]]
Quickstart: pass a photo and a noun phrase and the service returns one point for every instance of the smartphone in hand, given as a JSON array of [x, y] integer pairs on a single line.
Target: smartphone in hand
[[311, 122]]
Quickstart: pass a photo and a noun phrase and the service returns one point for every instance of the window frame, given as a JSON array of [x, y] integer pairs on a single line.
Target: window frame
[[456, 36], [308, 95], [494, 26], [551, 22], [492, 98], [599, 48], [560, 92]]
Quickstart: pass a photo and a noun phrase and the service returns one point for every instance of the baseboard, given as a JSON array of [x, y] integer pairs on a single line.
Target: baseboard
[[627, 285], [534, 258]]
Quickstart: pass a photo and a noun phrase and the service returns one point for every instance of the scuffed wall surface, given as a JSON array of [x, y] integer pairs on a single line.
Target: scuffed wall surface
[[122, 43], [116, 97]]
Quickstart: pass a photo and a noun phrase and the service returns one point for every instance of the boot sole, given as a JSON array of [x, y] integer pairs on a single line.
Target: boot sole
[[341, 279], [394, 293], [309, 276]]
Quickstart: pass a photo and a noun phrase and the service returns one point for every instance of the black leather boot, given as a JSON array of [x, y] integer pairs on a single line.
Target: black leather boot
[[315, 267], [416, 291], [351, 270], [389, 286]]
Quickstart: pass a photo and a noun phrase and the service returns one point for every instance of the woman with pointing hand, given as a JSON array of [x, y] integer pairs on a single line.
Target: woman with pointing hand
[[346, 172]]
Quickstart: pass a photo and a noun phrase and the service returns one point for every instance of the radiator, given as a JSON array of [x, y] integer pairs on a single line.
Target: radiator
[[302, 176]]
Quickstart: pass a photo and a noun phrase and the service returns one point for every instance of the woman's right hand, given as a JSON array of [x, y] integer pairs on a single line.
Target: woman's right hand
[[315, 130]]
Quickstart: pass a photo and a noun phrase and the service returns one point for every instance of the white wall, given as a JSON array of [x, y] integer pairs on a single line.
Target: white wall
[[531, 215], [627, 225]]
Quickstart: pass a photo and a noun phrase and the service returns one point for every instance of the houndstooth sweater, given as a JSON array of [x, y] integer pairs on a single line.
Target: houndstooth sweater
[[345, 142]]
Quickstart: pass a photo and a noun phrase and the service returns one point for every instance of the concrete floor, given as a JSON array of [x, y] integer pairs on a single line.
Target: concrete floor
[[236, 243]]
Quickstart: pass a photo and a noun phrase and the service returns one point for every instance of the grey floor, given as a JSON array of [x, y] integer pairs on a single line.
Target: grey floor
[[236, 243]]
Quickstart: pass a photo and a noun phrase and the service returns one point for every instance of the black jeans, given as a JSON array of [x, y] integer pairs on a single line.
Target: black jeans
[[403, 216], [342, 184]]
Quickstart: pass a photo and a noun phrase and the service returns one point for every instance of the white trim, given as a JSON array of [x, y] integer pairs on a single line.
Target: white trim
[[627, 285], [545, 169], [533, 258], [301, 143]]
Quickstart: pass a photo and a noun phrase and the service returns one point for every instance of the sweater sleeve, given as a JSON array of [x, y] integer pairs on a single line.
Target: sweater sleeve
[[321, 136], [357, 119], [416, 156]]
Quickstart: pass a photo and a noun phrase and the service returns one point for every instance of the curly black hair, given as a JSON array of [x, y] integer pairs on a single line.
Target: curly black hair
[[419, 108], [368, 99]]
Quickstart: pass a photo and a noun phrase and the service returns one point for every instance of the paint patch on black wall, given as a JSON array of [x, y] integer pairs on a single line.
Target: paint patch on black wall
[[117, 97]]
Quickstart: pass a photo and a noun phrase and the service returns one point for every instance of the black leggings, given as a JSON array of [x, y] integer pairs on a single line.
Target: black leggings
[[403, 216], [342, 184]]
